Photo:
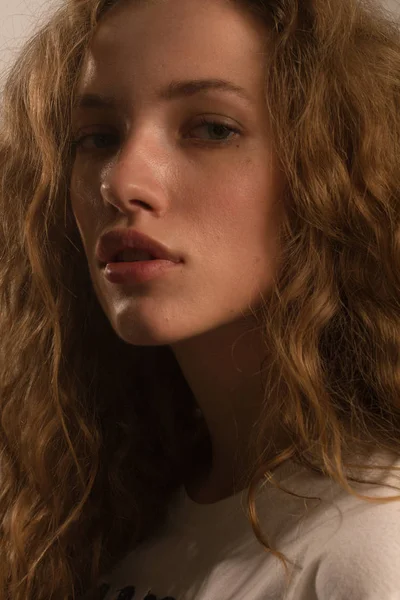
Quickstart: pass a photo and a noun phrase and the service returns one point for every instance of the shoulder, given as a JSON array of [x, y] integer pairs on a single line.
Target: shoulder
[[361, 560]]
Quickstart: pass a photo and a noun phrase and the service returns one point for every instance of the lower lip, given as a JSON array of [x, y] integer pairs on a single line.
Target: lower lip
[[137, 272]]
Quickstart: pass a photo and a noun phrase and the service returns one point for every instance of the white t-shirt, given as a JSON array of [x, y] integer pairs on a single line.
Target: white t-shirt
[[342, 548]]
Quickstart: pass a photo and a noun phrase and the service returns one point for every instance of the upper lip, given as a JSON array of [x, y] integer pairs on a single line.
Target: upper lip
[[115, 241]]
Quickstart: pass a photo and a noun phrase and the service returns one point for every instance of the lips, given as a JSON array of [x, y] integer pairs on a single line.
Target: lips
[[115, 241]]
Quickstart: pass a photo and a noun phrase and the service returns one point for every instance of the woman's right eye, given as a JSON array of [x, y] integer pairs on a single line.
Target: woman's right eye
[[79, 142]]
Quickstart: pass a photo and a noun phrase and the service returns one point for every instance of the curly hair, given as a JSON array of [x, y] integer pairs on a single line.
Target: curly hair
[[92, 446]]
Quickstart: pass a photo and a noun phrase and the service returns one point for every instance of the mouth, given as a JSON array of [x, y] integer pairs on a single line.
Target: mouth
[[130, 255], [137, 271], [128, 245]]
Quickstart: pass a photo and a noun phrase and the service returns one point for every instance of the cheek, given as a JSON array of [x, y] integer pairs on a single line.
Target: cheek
[[78, 212], [242, 204], [252, 214], [82, 200], [80, 207]]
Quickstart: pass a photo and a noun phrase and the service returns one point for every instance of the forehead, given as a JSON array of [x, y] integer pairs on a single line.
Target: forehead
[[144, 44]]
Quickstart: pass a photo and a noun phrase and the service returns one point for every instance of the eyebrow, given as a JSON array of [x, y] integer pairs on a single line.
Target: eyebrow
[[174, 90]]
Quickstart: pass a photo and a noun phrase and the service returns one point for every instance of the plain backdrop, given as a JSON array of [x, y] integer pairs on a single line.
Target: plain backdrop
[[20, 18]]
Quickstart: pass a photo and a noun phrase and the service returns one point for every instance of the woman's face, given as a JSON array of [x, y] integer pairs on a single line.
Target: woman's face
[[212, 195]]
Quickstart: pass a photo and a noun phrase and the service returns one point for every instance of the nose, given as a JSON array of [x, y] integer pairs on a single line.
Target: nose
[[132, 183], [131, 198]]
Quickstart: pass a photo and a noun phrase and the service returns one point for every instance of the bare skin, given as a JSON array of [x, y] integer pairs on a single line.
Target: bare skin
[[208, 193]]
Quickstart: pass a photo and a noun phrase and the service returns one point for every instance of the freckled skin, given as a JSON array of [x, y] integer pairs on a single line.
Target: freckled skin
[[216, 203]]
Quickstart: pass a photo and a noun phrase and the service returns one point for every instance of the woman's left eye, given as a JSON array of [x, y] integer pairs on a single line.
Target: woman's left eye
[[220, 129], [217, 125]]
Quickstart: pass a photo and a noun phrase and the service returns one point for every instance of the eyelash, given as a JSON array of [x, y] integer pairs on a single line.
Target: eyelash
[[78, 142]]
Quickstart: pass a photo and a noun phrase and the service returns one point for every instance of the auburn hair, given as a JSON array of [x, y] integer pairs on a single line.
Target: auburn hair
[[92, 446]]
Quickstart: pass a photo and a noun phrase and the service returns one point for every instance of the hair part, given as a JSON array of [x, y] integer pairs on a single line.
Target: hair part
[[92, 448]]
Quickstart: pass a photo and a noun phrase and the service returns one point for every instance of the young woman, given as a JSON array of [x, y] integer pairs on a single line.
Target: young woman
[[200, 284]]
